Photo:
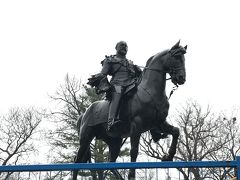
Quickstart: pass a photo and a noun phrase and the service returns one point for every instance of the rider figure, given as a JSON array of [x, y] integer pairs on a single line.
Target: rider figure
[[124, 74]]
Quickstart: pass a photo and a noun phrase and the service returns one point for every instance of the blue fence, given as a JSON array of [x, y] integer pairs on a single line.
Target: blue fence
[[126, 165]]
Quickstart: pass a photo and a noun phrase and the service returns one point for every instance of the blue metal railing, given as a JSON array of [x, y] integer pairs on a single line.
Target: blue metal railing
[[126, 165]]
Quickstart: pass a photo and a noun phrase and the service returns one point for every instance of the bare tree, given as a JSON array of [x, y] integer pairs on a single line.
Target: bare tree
[[70, 105], [17, 129], [230, 150], [203, 136], [72, 98]]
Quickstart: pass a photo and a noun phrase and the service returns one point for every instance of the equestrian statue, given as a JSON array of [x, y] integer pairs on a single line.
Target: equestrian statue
[[136, 102]]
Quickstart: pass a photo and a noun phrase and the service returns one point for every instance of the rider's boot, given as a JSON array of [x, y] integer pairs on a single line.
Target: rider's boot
[[113, 118]]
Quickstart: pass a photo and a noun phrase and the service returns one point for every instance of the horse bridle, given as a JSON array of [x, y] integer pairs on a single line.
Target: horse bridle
[[171, 71]]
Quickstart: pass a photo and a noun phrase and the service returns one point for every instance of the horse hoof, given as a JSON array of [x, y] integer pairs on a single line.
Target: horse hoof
[[166, 158]]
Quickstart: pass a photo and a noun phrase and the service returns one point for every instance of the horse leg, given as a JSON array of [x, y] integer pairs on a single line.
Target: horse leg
[[114, 150], [174, 131], [134, 153], [84, 153]]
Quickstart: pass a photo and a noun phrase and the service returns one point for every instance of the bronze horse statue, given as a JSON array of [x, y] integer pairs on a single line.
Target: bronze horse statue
[[146, 109]]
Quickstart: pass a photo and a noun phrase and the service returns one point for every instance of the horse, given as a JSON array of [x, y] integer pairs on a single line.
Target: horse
[[146, 109]]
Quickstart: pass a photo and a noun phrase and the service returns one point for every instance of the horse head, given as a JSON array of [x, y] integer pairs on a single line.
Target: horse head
[[175, 64]]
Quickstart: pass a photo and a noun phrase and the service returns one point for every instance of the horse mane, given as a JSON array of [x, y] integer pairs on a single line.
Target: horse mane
[[151, 58]]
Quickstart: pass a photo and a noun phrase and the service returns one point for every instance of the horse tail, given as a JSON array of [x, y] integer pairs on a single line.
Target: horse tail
[[88, 155], [79, 120]]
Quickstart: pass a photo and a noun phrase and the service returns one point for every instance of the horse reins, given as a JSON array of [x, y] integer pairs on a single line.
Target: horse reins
[[163, 71], [172, 91], [153, 69]]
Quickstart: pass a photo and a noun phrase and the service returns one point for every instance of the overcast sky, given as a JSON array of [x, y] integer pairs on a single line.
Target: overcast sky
[[42, 41]]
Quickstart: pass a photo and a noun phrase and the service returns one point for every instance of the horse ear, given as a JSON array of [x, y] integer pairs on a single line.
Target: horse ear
[[176, 45], [185, 47]]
